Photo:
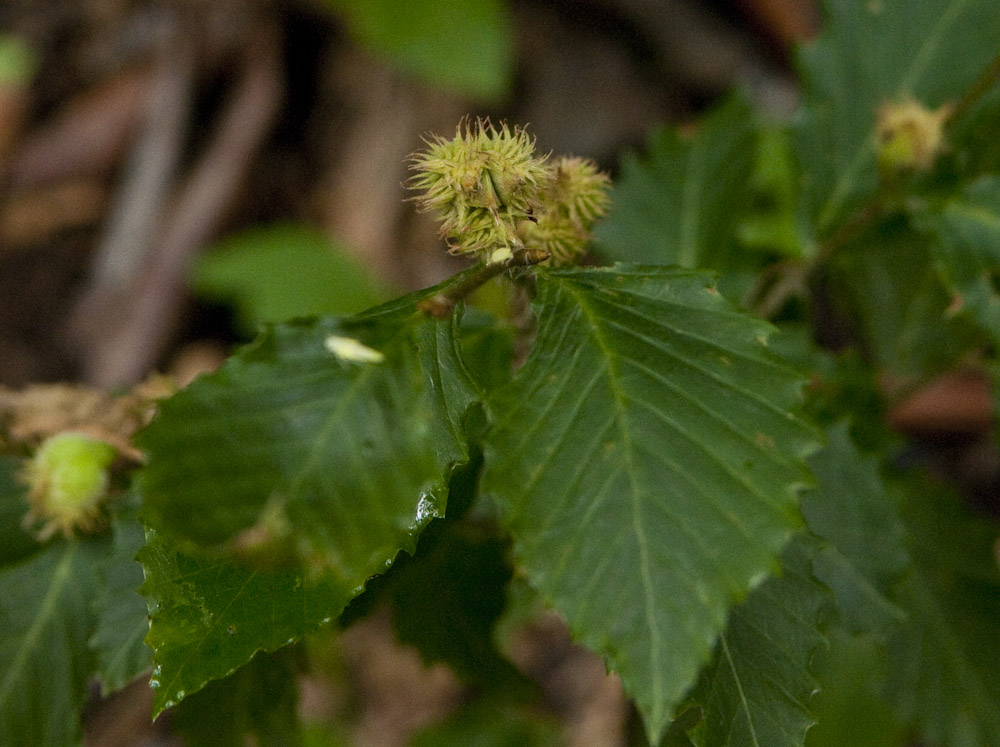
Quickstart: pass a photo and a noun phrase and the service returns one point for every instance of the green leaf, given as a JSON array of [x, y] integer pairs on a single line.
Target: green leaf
[[871, 53], [346, 459], [646, 460], [447, 598], [968, 250], [18, 61], [45, 621], [756, 691], [120, 611], [209, 617], [293, 454], [466, 45], [254, 705], [865, 555], [284, 270], [683, 204], [15, 543], [973, 151], [889, 278], [772, 222], [943, 679], [487, 348]]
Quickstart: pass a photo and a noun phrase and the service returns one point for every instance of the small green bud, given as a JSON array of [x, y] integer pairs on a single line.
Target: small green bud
[[909, 136], [68, 481]]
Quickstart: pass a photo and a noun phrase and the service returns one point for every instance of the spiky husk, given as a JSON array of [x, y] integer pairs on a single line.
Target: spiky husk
[[479, 184], [574, 199]]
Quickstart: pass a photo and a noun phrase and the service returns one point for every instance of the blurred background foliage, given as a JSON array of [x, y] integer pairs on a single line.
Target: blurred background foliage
[[138, 136]]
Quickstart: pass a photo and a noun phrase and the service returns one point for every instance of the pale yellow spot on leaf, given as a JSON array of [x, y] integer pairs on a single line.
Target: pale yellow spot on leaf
[[349, 349]]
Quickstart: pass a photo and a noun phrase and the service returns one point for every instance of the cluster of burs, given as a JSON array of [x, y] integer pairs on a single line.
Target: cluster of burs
[[498, 200]]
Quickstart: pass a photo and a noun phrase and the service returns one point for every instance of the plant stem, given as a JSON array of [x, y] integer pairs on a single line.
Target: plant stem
[[443, 303]]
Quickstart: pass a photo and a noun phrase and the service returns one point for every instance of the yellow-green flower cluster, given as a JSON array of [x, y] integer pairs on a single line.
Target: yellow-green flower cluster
[[494, 197]]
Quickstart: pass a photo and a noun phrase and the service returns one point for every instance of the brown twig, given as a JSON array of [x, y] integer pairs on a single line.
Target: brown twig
[[145, 188], [143, 322], [85, 138]]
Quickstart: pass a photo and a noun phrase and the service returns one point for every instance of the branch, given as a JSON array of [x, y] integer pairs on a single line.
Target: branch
[[442, 304], [148, 314]]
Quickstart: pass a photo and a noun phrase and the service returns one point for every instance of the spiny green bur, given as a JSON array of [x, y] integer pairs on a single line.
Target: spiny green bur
[[68, 478]]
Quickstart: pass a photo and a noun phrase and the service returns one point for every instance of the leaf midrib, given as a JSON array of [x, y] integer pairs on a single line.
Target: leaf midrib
[[744, 703], [645, 571]]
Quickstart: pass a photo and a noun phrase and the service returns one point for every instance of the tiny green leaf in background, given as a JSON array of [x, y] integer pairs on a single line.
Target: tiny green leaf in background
[[18, 61], [899, 304], [279, 271], [465, 45], [967, 251], [771, 220], [646, 460]]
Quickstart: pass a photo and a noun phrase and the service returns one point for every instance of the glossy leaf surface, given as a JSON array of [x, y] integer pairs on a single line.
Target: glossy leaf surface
[[209, 617], [295, 437], [321, 462]]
